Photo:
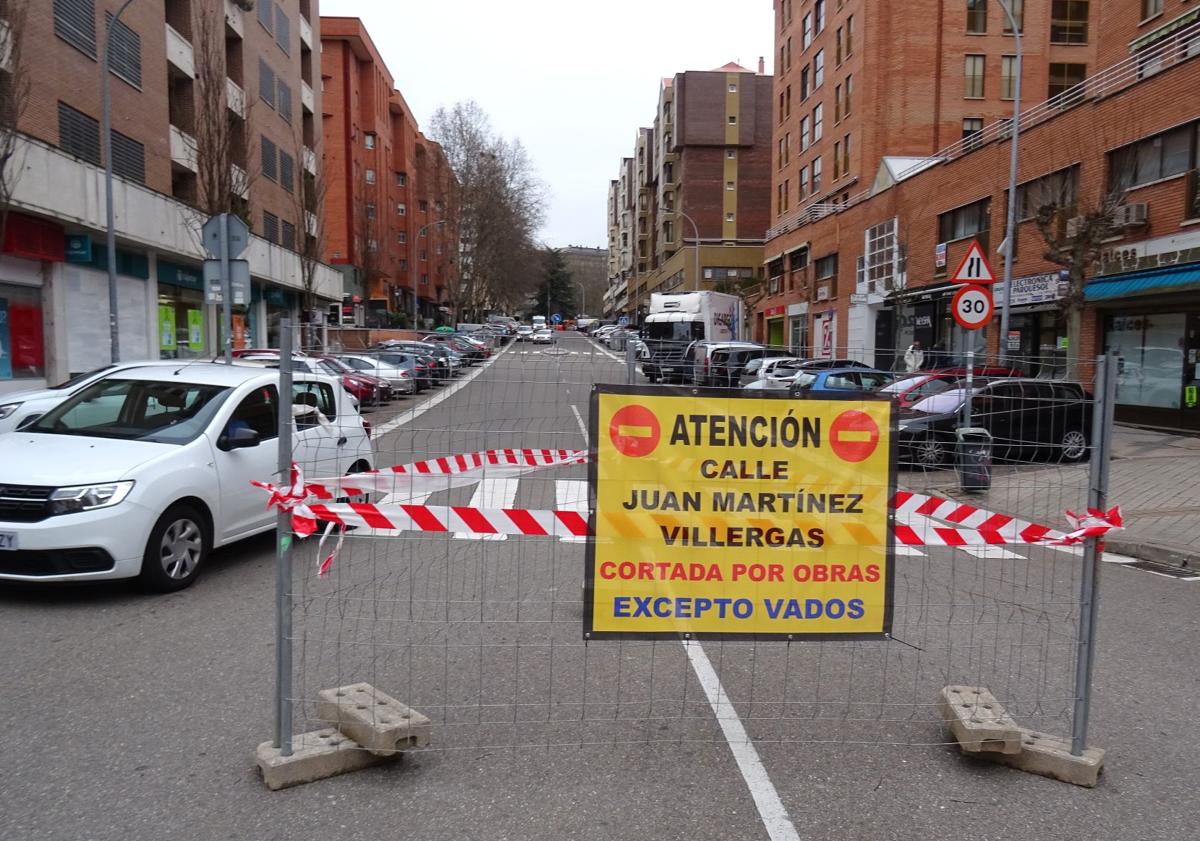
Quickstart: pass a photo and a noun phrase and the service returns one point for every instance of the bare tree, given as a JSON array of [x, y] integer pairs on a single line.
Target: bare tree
[[14, 97], [309, 204]]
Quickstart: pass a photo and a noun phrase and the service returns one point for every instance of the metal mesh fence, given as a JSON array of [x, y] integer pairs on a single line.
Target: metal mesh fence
[[482, 633]]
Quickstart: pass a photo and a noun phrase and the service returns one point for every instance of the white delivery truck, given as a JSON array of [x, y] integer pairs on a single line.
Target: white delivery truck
[[677, 320]]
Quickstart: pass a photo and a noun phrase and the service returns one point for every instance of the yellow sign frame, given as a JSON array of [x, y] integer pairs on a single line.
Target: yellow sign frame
[[648, 512]]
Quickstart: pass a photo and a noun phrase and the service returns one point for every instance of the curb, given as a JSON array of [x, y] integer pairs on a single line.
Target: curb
[[1157, 552]]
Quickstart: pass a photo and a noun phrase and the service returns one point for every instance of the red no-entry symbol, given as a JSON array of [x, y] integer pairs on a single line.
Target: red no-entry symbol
[[634, 431], [854, 435]]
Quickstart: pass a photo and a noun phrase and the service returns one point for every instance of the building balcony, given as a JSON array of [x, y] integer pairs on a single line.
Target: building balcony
[[306, 35], [183, 149], [235, 18], [180, 53], [307, 99], [241, 182], [235, 97], [308, 159]]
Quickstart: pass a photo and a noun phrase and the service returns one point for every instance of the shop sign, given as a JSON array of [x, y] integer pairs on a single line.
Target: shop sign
[[1014, 339], [195, 330], [1035, 289], [702, 529], [939, 255], [78, 249], [166, 327], [1189, 396], [798, 309], [858, 297], [775, 312]]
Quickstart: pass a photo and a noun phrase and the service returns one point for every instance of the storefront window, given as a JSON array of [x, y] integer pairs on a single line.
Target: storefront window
[[799, 337], [1150, 358], [22, 349], [181, 333]]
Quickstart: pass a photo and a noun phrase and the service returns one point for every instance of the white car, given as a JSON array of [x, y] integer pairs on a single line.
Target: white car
[[524, 333], [545, 336], [604, 331], [19, 408], [398, 378], [144, 472]]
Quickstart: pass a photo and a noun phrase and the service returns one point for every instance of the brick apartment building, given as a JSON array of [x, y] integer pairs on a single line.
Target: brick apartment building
[[866, 272], [53, 280], [699, 178], [391, 199]]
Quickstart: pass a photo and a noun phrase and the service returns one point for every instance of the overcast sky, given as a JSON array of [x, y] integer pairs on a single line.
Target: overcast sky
[[572, 79]]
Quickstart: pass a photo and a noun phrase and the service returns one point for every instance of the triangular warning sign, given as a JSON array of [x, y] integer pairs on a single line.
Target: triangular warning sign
[[974, 267]]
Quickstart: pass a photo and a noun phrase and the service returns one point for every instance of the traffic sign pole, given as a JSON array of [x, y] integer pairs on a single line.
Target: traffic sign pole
[[226, 290]]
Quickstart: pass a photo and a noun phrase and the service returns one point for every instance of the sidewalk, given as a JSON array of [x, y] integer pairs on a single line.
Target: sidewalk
[[1154, 477]]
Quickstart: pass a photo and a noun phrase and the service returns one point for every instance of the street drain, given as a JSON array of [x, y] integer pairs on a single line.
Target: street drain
[[1169, 570]]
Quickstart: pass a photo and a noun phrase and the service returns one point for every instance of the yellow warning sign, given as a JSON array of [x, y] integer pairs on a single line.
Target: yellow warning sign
[[723, 515]]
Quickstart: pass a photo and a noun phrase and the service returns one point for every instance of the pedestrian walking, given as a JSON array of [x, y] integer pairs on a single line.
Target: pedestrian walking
[[914, 357]]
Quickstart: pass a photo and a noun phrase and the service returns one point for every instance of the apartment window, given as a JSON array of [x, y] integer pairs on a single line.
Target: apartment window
[[819, 16], [837, 159], [804, 77], [849, 91], [825, 267], [128, 158], [849, 35], [1058, 189], [1063, 77], [1017, 7], [369, 140], [787, 193], [372, 245], [846, 155], [788, 66], [401, 179], [423, 206], [1163, 156], [370, 210], [881, 255], [781, 106], [402, 237], [370, 176], [729, 217], [787, 147], [266, 17], [1151, 8], [838, 42], [972, 220], [403, 265], [803, 182], [787, 101], [266, 83], [732, 120], [804, 141], [818, 69], [779, 199], [806, 30], [270, 164], [289, 236], [1069, 22], [732, 88], [125, 52], [283, 28], [287, 169], [78, 134], [75, 23], [837, 103], [976, 17], [973, 77], [818, 121], [285, 102], [401, 209], [1008, 77], [270, 227], [971, 126], [816, 175]]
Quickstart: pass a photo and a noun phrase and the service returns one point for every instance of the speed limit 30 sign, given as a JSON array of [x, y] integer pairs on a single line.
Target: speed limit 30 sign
[[972, 307]]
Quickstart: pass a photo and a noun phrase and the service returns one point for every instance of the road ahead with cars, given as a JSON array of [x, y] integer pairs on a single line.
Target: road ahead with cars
[[134, 716]]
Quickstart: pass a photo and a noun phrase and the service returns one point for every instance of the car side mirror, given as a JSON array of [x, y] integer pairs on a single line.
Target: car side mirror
[[239, 439]]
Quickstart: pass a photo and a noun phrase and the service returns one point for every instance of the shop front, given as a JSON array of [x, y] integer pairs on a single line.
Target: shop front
[[774, 317], [825, 334], [798, 329], [1151, 321], [28, 244], [182, 314], [1037, 328], [924, 315], [279, 303]]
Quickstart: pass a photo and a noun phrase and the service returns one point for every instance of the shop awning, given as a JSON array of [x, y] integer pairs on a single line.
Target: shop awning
[[1143, 283]]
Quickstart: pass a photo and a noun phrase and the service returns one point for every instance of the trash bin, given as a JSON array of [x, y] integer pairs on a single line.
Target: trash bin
[[974, 459]]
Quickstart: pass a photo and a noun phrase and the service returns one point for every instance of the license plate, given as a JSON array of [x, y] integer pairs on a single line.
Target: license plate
[[8, 541]]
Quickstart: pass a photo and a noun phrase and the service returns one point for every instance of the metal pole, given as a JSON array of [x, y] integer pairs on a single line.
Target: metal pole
[[110, 231], [227, 292], [1010, 224], [1089, 586], [582, 298], [970, 388], [283, 555], [630, 361], [696, 237]]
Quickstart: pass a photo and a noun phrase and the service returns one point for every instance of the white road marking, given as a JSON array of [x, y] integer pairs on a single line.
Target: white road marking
[[579, 420], [908, 551], [1113, 558], [571, 495], [491, 493], [989, 553], [416, 412], [770, 808]]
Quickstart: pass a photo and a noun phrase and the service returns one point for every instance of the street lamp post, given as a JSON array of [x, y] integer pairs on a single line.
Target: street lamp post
[[416, 307], [110, 234], [696, 236], [582, 297], [1010, 222]]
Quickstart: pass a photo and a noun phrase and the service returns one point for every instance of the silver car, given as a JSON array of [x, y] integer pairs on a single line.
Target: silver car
[[401, 381]]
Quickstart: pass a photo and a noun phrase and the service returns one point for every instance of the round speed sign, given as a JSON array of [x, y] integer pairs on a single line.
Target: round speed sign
[[972, 307]]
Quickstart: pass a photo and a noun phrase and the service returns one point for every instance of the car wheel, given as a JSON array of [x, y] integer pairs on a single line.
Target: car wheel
[[178, 546], [1074, 445], [930, 452]]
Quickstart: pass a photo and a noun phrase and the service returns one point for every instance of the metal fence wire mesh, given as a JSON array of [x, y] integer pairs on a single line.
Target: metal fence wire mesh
[[483, 633]]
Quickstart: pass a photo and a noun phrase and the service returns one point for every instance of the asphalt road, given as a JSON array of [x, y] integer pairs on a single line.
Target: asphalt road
[[136, 717]]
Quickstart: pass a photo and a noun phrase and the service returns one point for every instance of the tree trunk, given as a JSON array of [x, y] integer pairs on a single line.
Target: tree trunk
[[1074, 340]]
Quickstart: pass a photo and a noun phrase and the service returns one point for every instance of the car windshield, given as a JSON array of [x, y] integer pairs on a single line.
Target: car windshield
[[674, 331], [78, 378], [942, 404], [337, 366], [805, 379], [136, 410]]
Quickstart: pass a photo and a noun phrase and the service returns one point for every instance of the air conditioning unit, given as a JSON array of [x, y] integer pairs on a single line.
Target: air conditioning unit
[[1130, 215], [1074, 225], [823, 292]]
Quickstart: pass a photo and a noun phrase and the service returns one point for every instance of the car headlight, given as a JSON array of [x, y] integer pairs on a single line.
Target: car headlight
[[88, 497], [7, 409]]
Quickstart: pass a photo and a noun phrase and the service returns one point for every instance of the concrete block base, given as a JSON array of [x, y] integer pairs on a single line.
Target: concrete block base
[[374, 719], [316, 755], [1050, 756], [978, 721]]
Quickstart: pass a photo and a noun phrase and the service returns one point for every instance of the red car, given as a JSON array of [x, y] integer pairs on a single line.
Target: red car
[[917, 386], [366, 388]]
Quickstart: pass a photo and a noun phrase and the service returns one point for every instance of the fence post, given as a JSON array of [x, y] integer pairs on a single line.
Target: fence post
[[1089, 596], [630, 361], [283, 554]]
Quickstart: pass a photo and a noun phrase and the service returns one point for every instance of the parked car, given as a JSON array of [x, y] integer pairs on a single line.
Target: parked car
[[840, 381], [545, 336], [401, 380], [819, 364], [472, 352], [1026, 418], [364, 392], [421, 367], [916, 387], [21, 408], [772, 373], [143, 472], [720, 363], [432, 355], [356, 381], [524, 333]]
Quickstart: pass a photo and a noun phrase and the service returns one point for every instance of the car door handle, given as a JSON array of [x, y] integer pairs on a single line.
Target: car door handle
[[342, 441]]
